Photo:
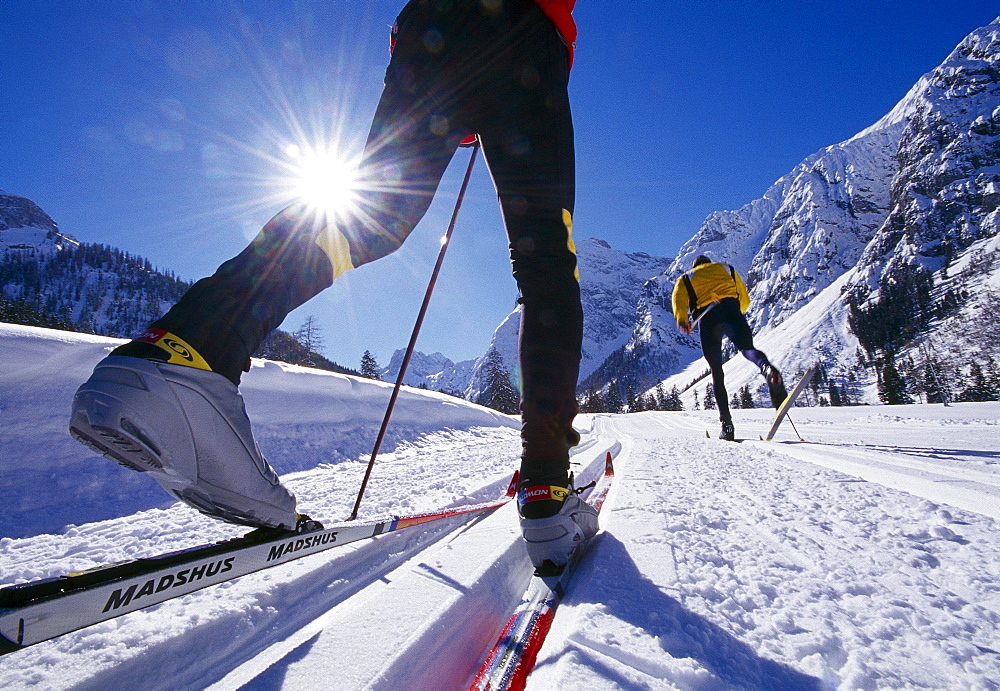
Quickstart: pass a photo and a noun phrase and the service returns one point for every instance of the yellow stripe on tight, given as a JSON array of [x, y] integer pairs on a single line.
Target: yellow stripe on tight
[[568, 222], [337, 249]]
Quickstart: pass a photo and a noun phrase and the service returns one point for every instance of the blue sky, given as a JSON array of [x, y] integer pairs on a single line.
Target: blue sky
[[161, 127]]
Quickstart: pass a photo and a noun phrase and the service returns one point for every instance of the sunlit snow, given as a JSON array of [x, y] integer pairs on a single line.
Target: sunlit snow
[[865, 556]]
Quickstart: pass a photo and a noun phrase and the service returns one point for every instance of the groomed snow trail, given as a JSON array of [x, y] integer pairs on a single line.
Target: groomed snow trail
[[866, 556], [740, 565]]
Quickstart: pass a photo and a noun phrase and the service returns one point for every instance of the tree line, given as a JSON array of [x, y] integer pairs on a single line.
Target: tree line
[[899, 320]]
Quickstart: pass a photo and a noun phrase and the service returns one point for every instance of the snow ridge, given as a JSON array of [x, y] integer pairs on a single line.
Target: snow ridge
[[919, 188]]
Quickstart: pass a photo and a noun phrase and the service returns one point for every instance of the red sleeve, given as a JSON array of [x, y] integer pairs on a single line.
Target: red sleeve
[[561, 14]]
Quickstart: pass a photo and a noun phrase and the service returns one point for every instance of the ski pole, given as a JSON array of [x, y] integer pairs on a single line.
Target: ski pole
[[416, 330], [788, 417], [700, 316]]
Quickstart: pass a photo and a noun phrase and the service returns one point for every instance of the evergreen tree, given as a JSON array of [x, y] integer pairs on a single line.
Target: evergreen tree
[[674, 400], [632, 404], [613, 401], [819, 381], [836, 399], [498, 393], [891, 385], [993, 377], [979, 388], [746, 398], [660, 398], [709, 401], [932, 380], [369, 367], [591, 402], [902, 310]]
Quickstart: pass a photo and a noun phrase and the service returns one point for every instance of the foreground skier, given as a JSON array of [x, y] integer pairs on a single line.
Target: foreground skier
[[715, 293], [167, 403]]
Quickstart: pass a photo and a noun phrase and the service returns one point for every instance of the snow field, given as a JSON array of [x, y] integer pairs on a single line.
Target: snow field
[[735, 565], [834, 562]]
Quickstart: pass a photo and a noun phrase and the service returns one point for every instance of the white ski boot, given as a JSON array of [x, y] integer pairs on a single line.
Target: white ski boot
[[187, 428], [551, 539]]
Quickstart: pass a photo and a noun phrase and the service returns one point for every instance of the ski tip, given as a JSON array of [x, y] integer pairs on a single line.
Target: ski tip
[[707, 435], [512, 487], [609, 468]]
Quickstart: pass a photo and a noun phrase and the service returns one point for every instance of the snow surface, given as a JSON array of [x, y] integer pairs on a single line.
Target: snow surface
[[865, 557]]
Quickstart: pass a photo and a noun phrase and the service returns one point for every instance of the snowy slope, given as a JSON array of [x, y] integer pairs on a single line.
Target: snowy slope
[[919, 188], [865, 557]]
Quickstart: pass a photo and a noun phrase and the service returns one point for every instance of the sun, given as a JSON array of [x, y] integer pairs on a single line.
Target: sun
[[321, 178]]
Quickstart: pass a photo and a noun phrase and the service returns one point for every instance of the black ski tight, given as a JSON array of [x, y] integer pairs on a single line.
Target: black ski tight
[[726, 320], [458, 68]]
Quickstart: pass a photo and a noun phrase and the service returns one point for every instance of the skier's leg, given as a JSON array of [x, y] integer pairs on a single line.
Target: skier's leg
[[185, 423], [711, 348], [743, 339], [755, 356], [531, 158], [527, 134]]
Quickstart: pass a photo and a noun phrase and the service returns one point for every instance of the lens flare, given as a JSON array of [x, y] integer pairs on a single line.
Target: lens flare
[[321, 178]]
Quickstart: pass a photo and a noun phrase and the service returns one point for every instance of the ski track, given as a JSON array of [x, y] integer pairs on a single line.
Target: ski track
[[830, 563], [781, 574]]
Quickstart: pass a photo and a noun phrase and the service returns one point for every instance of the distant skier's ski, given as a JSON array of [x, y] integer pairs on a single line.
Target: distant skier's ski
[[789, 402], [513, 656], [40, 610]]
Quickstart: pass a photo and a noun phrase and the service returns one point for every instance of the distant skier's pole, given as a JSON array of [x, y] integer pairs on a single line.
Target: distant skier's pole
[[787, 417], [700, 316], [416, 330]]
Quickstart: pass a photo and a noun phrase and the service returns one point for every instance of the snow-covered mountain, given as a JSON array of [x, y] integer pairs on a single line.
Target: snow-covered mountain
[[918, 191], [17, 212], [435, 372], [71, 284], [610, 284]]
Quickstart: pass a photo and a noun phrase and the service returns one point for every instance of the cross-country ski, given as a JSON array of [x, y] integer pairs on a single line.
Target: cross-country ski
[[789, 403], [37, 611], [511, 659]]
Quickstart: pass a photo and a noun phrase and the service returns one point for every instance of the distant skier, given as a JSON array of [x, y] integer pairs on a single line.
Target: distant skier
[[715, 292], [168, 403]]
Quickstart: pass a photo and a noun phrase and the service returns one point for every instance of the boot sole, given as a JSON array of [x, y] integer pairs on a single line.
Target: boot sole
[[126, 452], [204, 504], [115, 446]]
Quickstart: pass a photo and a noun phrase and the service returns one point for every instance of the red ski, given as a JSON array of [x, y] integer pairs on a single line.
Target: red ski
[[513, 657]]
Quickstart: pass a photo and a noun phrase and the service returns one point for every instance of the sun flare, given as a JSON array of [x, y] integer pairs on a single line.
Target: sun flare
[[321, 178]]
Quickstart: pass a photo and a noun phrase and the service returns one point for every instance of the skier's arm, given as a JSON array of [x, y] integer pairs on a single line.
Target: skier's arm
[[741, 292], [680, 305]]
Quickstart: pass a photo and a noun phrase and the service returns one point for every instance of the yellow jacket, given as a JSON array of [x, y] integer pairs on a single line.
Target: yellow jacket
[[711, 283]]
